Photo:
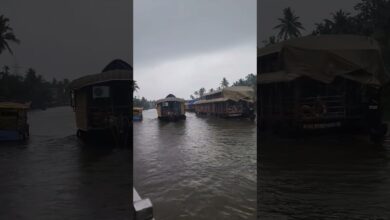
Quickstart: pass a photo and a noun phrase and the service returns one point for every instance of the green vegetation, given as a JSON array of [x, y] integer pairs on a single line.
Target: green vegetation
[[371, 18], [32, 87], [224, 83], [249, 80], [289, 26], [143, 103], [6, 35]]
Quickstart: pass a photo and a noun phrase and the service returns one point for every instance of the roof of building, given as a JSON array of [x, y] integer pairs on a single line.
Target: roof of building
[[323, 58], [114, 71], [14, 105]]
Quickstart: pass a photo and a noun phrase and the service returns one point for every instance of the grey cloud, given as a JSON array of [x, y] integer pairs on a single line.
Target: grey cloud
[[68, 38]]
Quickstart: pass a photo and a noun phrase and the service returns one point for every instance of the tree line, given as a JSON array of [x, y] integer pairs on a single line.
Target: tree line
[[33, 88], [371, 18], [249, 80], [143, 103]]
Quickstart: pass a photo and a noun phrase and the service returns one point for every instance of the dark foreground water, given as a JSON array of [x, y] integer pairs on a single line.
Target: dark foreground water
[[56, 176], [324, 178], [199, 168]]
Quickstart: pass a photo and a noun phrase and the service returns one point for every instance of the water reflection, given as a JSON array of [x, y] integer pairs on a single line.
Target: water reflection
[[199, 168], [324, 177], [56, 176]]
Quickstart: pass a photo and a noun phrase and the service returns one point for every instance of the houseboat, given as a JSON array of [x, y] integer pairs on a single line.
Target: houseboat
[[102, 101], [319, 83], [13, 121], [137, 114], [170, 108], [235, 101]]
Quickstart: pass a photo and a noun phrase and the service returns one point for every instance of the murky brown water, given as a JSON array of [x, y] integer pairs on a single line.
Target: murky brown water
[[324, 178], [199, 168], [55, 176]]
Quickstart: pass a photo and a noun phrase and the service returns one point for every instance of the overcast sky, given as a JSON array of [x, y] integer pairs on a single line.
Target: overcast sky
[[309, 11], [180, 45], [183, 45], [68, 38]]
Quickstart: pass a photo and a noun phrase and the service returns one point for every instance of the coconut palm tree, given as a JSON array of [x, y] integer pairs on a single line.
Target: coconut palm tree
[[224, 83], [6, 35], [202, 91], [289, 26], [341, 22], [135, 86]]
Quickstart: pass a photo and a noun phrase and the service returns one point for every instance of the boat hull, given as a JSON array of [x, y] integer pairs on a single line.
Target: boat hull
[[10, 135], [137, 118], [172, 118]]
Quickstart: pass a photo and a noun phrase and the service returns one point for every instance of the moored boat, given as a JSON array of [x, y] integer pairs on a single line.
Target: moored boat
[[235, 101], [170, 108], [137, 114], [101, 101], [13, 121], [189, 105], [322, 83]]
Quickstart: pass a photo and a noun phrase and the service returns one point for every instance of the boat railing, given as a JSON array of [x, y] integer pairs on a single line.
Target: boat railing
[[328, 106]]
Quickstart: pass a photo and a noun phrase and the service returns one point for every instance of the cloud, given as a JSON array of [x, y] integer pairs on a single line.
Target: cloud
[[182, 77], [181, 46], [175, 28]]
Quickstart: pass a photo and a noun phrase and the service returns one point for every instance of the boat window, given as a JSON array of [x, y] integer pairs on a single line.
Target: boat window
[[100, 92]]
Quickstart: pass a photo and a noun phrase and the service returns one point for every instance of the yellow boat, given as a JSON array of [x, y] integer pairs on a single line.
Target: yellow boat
[[137, 114], [13, 121], [171, 108]]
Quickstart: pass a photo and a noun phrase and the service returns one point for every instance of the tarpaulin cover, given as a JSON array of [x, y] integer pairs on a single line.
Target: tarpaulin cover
[[234, 93], [323, 58]]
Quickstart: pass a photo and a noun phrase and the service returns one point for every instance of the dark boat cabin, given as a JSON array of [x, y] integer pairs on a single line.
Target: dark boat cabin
[[13, 121], [321, 83], [102, 102], [171, 108]]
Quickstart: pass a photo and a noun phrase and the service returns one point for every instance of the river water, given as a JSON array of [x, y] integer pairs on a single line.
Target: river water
[[198, 168], [56, 176], [324, 178]]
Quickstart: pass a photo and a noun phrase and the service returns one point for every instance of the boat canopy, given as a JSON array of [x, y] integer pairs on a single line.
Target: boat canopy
[[323, 58], [14, 105], [170, 98], [114, 71], [234, 93]]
